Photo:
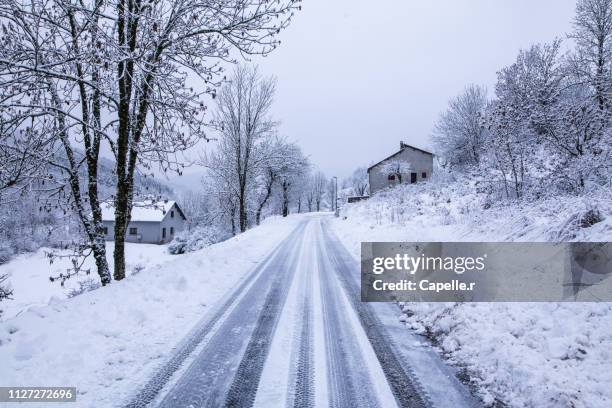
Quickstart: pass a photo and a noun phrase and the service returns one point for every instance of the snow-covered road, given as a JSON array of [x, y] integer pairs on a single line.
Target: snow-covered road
[[296, 334]]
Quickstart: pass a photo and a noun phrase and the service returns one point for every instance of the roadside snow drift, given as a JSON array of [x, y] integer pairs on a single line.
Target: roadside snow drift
[[108, 341]]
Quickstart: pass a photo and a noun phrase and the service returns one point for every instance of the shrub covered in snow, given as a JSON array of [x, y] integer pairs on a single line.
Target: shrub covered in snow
[[468, 208], [85, 285], [6, 252], [197, 238], [5, 290]]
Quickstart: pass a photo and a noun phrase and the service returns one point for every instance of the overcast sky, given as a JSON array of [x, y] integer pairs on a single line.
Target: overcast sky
[[355, 77]]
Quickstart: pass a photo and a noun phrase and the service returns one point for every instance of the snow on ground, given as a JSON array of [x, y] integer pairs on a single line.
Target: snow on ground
[[108, 341], [520, 354], [29, 274]]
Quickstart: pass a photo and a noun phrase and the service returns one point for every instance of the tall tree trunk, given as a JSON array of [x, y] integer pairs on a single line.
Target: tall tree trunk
[[93, 159], [262, 204], [242, 212], [285, 199], [258, 215], [121, 223], [130, 124], [500, 166], [233, 219], [93, 227], [515, 178]]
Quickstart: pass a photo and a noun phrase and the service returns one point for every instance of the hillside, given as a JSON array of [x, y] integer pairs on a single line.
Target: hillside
[[512, 354]]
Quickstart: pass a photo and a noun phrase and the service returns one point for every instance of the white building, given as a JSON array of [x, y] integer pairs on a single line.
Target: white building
[[151, 222], [414, 164]]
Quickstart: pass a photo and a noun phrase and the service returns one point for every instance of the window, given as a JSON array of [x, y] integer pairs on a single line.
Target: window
[[133, 230], [163, 233], [171, 230], [423, 175], [105, 229], [391, 177], [171, 214]]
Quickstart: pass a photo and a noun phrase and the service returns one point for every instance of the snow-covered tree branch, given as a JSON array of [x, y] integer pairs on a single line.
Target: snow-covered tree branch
[[119, 75]]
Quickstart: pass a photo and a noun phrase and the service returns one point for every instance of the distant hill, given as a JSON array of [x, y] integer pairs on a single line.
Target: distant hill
[[192, 181], [143, 185]]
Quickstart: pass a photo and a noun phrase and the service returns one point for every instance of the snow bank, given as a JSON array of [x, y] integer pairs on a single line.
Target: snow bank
[[108, 341], [197, 238], [528, 354], [29, 275]]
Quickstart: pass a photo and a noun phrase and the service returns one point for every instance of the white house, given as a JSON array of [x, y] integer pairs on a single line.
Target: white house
[[411, 166], [151, 222]]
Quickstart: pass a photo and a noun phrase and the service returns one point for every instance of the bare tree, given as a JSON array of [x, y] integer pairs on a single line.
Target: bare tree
[[290, 178], [301, 193], [266, 183], [332, 194], [197, 207], [458, 134], [22, 149], [588, 107], [397, 168], [157, 111], [5, 292], [280, 157], [358, 182], [318, 183], [245, 128], [508, 147], [548, 125], [592, 60], [309, 193], [119, 73], [551, 108], [46, 89], [219, 183]]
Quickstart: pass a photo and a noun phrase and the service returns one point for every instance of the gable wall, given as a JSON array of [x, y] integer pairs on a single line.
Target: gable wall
[[178, 223], [419, 161]]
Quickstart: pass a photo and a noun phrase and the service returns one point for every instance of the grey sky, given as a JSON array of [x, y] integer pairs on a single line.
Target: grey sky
[[355, 77]]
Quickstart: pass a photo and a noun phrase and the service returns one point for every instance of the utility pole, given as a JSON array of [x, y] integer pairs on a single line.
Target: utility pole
[[336, 212]]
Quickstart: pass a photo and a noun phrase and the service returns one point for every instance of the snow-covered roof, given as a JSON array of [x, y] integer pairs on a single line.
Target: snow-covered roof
[[143, 211]]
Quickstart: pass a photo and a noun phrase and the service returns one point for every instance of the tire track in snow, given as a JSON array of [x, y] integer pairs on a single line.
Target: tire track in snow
[[221, 362], [152, 388], [246, 380], [348, 379], [304, 375], [404, 384], [195, 387]]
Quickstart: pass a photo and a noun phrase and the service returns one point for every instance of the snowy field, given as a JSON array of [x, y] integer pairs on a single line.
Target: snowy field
[[108, 341], [530, 354], [29, 275]]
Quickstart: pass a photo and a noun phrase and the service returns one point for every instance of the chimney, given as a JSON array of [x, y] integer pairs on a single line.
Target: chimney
[[402, 145]]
